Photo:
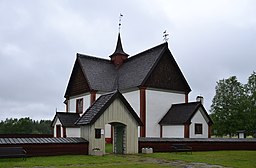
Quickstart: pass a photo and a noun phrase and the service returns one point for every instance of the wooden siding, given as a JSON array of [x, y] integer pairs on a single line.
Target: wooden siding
[[209, 131], [48, 146], [77, 83], [186, 98], [92, 97], [115, 113], [167, 75], [186, 130], [143, 111], [53, 149], [164, 144]]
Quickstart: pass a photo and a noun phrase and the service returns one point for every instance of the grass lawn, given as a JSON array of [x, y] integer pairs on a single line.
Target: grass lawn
[[239, 159], [108, 148], [243, 159]]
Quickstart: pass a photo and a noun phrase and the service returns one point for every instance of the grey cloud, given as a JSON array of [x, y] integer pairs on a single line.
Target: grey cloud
[[39, 41]]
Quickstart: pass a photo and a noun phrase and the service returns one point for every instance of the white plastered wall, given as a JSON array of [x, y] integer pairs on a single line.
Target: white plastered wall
[[198, 119], [73, 132], [133, 98], [157, 105], [173, 131], [97, 95], [107, 131], [72, 102]]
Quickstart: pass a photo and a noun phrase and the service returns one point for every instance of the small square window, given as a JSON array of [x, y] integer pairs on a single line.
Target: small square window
[[198, 128], [97, 133]]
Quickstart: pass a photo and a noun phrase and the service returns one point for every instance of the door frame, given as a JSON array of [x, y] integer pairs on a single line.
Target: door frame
[[119, 135]]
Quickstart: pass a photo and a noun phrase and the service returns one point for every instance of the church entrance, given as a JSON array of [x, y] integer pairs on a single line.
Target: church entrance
[[119, 138]]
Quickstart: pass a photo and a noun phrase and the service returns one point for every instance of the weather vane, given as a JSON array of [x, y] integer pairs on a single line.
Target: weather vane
[[165, 36], [120, 19]]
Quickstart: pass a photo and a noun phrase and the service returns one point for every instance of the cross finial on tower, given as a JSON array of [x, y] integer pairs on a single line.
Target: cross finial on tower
[[120, 19], [165, 36]]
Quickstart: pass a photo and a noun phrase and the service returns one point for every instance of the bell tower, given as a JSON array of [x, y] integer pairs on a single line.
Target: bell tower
[[119, 56]]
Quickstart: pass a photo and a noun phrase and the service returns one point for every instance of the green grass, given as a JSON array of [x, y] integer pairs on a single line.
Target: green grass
[[109, 148], [237, 159], [75, 161], [243, 159]]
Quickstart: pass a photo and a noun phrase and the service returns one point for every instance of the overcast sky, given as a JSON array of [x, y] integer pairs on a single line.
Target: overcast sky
[[39, 39]]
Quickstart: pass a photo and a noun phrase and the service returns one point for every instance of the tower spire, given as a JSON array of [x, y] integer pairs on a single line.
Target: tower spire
[[119, 56], [119, 48]]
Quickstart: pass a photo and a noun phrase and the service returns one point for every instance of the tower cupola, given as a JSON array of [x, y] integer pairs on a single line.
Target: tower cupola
[[119, 56]]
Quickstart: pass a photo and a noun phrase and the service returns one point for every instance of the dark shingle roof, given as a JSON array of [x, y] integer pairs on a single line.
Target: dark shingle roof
[[67, 119], [100, 105], [16, 141], [99, 72], [133, 72], [182, 113], [102, 75]]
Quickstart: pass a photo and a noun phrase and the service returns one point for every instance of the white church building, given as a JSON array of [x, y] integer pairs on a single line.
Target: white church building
[[152, 84]]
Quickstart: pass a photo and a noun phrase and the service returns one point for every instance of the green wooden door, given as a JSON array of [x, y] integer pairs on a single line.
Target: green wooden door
[[119, 139]]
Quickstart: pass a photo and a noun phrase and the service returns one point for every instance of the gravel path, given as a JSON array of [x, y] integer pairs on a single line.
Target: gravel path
[[179, 164]]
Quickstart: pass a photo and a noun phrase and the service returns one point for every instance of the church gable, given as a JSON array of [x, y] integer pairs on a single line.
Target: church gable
[[154, 68], [77, 83], [136, 69], [167, 75], [92, 114]]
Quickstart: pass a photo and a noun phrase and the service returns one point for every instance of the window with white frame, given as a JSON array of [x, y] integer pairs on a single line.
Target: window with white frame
[[198, 128]]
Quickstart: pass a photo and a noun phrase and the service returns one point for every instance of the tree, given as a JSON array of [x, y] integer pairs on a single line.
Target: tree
[[9, 126], [25, 126], [250, 88], [227, 107]]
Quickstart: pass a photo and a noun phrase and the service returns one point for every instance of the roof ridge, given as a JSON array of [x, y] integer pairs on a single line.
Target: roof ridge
[[104, 59], [91, 106], [147, 50], [92, 57], [189, 103], [60, 112], [66, 113]]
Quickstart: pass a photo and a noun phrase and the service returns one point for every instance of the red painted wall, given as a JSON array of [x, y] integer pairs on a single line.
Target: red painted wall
[[165, 146], [53, 149]]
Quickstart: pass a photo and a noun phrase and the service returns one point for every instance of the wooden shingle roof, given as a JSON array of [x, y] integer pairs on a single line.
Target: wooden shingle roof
[[66, 119], [102, 75], [180, 114]]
